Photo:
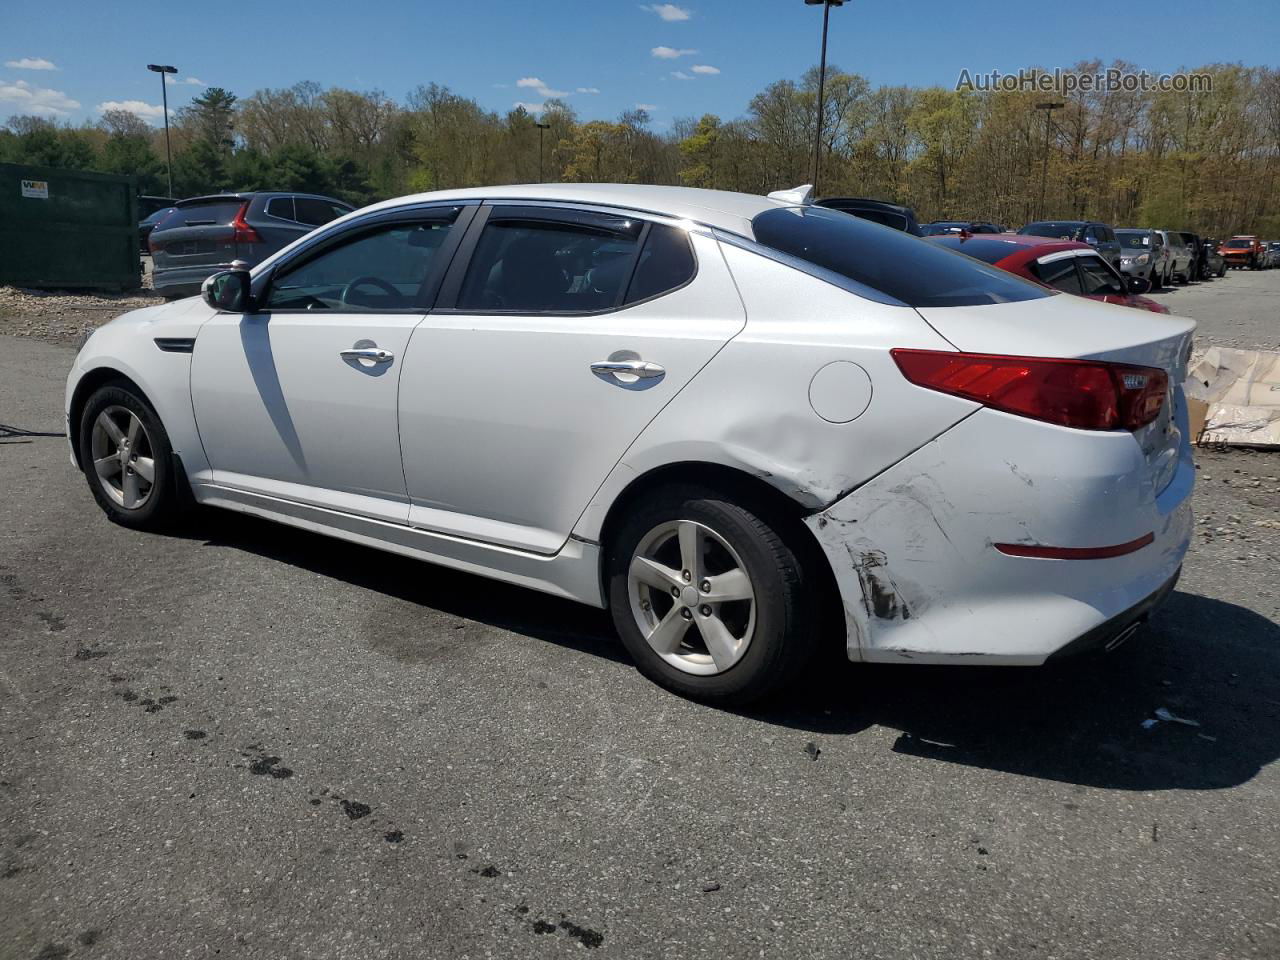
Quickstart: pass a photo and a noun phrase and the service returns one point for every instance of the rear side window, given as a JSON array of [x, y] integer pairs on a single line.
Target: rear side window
[[280, 207], [911, 270], [1059, 274], [314, 211], [527, 264], [666, 262], [202, 213]]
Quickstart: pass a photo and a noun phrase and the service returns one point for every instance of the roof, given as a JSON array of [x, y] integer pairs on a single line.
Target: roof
[[715, 208]]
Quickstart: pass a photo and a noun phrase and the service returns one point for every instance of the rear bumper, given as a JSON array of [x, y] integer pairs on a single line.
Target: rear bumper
[[185, 281], [1109, 635], [920, 580]]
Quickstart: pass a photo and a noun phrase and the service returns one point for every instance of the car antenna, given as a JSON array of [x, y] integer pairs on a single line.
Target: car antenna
[[802, 195]]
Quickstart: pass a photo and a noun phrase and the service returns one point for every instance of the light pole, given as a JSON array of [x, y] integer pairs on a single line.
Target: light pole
[[1048, 107], [162, 69], [541, 126], [822, 79]]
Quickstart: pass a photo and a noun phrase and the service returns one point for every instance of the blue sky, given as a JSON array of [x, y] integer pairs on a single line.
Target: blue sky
[[66, 58]]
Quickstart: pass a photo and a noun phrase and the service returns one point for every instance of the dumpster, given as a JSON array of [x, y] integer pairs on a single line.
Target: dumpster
[[68, 229]]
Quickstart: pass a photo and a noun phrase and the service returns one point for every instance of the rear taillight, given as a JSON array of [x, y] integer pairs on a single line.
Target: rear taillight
[[152, 245], [1086, 394], [243, 233]]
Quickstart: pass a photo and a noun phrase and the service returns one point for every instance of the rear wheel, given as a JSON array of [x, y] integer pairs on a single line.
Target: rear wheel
[[1155, 280], [127, 459], [709, 598]]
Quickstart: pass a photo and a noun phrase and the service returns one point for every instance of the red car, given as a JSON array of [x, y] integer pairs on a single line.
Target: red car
[[1066, 265], [1242, 252]]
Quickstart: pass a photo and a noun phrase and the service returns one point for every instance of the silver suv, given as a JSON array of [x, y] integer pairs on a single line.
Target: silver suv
[[1143, 254]]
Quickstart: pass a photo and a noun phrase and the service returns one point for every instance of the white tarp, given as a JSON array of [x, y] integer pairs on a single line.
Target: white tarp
[[1240, 390]]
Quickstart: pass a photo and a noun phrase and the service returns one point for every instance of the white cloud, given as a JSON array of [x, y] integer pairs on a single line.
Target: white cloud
[[529, 107], [647, 107], [681, 75], [191, 81], [147, 111], [40, 101], [31, 63], [671, 53], [667, 11], [542, 89], [588, 89], [704, 68]]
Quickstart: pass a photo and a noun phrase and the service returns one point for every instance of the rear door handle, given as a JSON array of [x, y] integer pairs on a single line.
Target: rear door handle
[[375, 354], [643, 369]]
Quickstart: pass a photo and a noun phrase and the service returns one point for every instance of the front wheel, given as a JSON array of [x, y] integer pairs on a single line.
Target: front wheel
[[127, 459], [709, 598]]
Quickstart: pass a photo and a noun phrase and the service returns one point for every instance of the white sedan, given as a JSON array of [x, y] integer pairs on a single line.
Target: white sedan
[[748, 426]]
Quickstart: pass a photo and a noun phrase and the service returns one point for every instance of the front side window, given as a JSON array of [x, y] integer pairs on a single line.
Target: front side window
[[908, 269], [386, 268], [1059, 274], [524, 263], [1098, 279]]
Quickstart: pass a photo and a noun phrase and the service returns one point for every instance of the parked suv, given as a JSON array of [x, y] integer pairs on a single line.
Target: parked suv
[[1244, 251], [1098, 235], [878, 211], [1143, 254], [204, 235], [1214, 265], [1273, 255], [1180, 256]]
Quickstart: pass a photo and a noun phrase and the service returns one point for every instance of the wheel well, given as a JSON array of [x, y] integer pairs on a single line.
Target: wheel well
[[749, 491], [90, 382]]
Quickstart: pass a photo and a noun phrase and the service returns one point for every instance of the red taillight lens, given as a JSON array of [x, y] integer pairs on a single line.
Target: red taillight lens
[[243, 232], [1086, 394]]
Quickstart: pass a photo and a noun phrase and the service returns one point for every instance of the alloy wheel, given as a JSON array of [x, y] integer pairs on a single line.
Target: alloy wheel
[[692, 597], [123, 457]]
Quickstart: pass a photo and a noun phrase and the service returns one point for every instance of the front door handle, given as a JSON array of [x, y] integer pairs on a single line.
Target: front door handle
[[374, 354], [643, 369]]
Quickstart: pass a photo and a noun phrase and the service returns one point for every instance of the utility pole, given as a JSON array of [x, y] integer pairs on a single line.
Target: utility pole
[[541, 126], [163, 69], [822, 79], [1048, 107]]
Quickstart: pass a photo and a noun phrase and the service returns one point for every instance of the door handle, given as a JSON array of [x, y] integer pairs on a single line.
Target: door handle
[[643, 369], [375, 354]]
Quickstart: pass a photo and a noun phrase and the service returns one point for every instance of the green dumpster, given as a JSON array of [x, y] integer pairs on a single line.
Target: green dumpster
[[68, 229]]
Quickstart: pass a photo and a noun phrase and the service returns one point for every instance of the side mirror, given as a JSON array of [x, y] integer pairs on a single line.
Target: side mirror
[[228, 291], [1139, 285]]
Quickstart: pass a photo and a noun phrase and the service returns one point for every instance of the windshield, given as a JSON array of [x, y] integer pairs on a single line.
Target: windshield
[[915, 272], [1239, 242], [1133, 239]]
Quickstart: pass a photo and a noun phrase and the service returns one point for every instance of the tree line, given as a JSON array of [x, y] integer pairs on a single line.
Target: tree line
[[1206, 160]]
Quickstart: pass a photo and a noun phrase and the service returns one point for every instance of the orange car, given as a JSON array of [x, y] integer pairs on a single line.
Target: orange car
[[1244, 251]]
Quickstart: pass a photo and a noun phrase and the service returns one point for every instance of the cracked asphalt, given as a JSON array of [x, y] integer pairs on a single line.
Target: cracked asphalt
[[248, 741]]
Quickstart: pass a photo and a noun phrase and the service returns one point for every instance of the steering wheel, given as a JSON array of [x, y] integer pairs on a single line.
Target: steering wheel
[[381, 284]]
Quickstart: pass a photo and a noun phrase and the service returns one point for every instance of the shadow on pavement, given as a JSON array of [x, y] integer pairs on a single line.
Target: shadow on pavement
[[1076, 722]]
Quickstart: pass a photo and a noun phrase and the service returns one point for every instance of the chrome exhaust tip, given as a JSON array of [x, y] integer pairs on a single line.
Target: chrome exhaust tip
[[1121, 637]]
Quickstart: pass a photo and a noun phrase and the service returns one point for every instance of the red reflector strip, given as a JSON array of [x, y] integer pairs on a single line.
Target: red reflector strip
[[1074, 553]]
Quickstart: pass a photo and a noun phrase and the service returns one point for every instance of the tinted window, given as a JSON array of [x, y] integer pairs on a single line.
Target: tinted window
[[986, 249], [314, 211], [666, 262], [281, 207], [913, 271], [1098, 278], [384, 269], [1059, 274], [579, 264], [202, 213]]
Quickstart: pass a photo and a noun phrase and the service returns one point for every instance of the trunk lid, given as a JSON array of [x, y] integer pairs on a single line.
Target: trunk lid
[[1063, 327], [197, 234]]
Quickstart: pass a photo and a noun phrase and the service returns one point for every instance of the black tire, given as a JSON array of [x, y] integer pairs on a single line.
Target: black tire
[[1222, 271], [1154, 280], [787, 605], [165, 502]]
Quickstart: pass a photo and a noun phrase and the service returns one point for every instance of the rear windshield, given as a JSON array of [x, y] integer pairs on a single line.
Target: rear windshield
[[1060, 229], [202, 213], [912, 271], [1133, 239]]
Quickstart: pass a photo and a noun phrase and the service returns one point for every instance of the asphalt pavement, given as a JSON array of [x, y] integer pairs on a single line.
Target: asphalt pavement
[[248, 741]]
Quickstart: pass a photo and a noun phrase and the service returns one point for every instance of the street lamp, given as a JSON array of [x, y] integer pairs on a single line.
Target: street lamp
[[1048, 107], [822, 79], [541, 126], [162, 69]]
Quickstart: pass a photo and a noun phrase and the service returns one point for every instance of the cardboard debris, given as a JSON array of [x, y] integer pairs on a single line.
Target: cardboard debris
[[1235, 394]]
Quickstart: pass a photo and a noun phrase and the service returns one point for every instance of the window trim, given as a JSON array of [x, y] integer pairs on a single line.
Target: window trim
[[451, 288], [317, 246]]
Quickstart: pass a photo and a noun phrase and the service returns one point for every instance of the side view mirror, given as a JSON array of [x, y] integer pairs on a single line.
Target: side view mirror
[[1139, 285], [228, 291]]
